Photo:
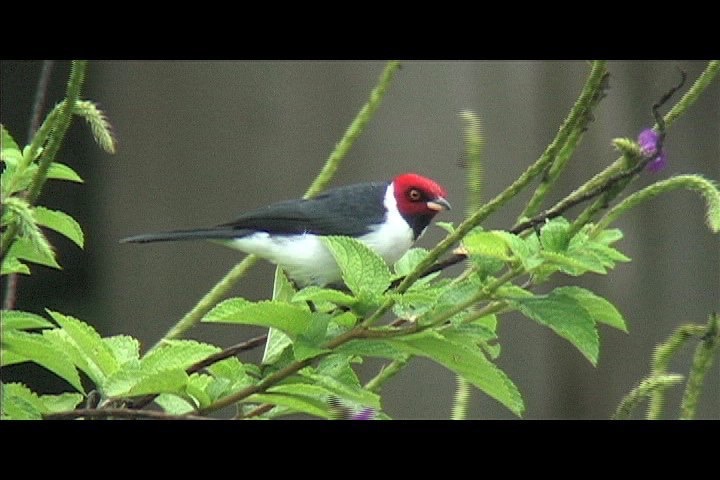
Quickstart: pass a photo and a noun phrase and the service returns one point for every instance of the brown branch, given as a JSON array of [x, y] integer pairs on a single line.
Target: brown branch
[[119, 413]]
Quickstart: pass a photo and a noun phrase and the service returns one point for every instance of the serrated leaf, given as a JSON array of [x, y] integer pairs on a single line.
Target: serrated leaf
[[24, 249], [176, 354], [61, 340], [225, 309], [60, 171], [486, 244], [566, 317], [609, 236], [36, 348], [309, 343], [276, 343], [60, 222], [132, 381], [524, 251], [291, 319], [599, 308], [124, 348], [447, 226], [352, 393], [19, 320], [470, 363], [196, 388], [11, 264], [409, 261], [510, 291], [173, 404], [301, 397], [61, 403], [6, 140], [370, 348], [554, 235], [363, 270], [576, 265], [318, 294], [88, 341], [20, 403]]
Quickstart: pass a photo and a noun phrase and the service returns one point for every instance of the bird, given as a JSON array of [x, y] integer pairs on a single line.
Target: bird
[[387, 216]]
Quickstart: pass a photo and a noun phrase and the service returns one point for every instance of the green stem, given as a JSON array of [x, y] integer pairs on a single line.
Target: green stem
[[331, 165], [460, 401], [647, 387], [702, 361], [54, 128], [689, 182], [386, 373], [691, 96], [353, 131], [661, 360], [569, 135]]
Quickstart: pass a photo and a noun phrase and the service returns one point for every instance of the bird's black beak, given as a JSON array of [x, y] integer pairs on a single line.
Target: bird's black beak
[[438, 204]]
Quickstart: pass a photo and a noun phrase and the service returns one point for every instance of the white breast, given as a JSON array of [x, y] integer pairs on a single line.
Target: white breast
[[307, 261]]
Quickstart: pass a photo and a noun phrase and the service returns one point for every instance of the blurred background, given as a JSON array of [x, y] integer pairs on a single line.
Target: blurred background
[[200, 142]]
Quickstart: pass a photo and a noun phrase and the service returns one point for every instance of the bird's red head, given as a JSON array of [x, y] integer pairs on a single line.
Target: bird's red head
[[418, 195]]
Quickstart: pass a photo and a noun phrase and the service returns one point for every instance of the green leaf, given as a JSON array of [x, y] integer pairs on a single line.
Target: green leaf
[[20, 403], [370, 348], [226, 309], [60, 171], [447, 226], [524, 251], [317, 295], [291, 319], [173, 404], [609, 236], [24, 249], [575, 265], [124, 348], [567, 317], [177, 354], [88, 341], [32, 242], [7, 142], [11, 264], [61, 403], [352, 393], [276, 343], [196, 388], [36, 348], [363, 270], [301, 397], [554, 235], [18, 320], [309, 343], [62, 341], [132, 380], [409, 261], [599, 308], [60, 222], [486, 244], [469, 363]]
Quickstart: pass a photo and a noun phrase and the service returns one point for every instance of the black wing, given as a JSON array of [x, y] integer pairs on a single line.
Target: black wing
[[345, 210]]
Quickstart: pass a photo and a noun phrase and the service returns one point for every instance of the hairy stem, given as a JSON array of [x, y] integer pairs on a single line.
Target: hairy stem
[[388, 371], [646, 388], [702, 361]]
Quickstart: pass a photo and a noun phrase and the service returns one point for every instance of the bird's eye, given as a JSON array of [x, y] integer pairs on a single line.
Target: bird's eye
[[414, 195]]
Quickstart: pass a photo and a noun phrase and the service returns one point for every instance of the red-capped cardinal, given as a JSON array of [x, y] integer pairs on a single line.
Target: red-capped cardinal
[[387, 216]]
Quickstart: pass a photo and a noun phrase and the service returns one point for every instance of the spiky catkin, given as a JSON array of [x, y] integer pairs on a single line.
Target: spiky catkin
[[99, 124]]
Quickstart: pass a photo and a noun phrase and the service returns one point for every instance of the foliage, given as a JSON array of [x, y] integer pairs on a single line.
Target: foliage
[[319, 334]]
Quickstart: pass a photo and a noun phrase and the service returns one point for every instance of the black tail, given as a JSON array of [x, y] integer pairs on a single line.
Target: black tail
[[204, 234]]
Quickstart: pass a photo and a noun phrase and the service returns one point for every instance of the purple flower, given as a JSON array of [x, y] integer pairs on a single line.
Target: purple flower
[[649, 141], [364, 414]]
